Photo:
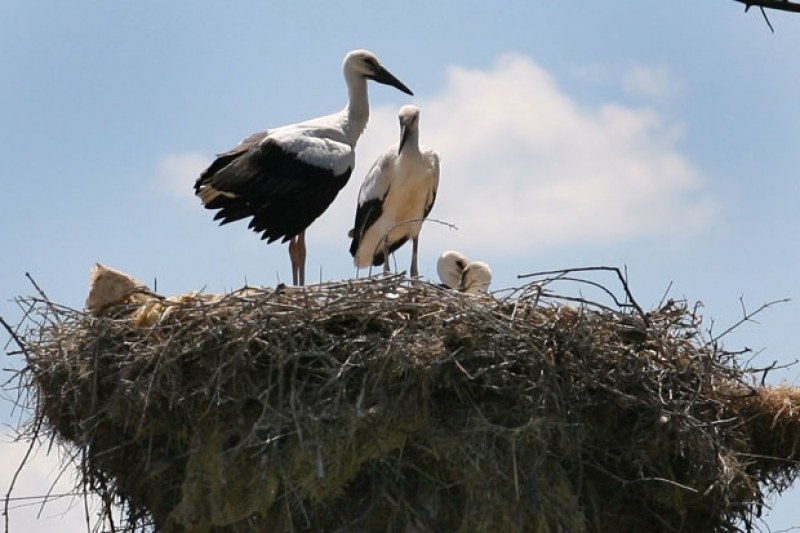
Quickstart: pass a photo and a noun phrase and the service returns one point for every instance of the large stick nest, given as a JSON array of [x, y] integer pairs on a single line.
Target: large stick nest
[[395, 405]]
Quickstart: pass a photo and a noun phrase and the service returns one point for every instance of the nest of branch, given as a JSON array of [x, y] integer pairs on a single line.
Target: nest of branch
[[395, 405]]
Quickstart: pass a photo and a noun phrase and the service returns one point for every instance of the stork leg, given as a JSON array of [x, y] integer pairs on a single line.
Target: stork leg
[[301, 269], [414, 247], [293, 258], [385, 255], [297, 255]]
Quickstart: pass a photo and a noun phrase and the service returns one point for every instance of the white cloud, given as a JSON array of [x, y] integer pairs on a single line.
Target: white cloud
[[176, 173], [42, 474], [525, 167]]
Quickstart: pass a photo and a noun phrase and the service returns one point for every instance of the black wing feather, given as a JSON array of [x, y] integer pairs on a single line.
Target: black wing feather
[[226, 158], [366, 215], [281, 193]]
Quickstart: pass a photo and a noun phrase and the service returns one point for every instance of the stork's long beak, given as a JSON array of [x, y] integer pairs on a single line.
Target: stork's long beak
[[405, 131], [387, 78]]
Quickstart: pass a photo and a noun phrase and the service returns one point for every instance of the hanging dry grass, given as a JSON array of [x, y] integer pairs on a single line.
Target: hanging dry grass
[[394, 405]]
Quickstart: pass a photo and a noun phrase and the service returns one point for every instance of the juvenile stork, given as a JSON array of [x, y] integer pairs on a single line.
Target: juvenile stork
[[395, 197], [457, 272], [284, 178], [450, 267], [476, 278]]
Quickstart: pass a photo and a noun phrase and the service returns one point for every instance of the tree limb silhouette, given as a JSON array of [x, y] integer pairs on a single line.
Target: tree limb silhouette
[[780, 5]]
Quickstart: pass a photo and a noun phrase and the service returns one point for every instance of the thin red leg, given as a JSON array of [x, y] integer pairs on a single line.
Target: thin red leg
[[293, 258], [301, 256], [297, 255]]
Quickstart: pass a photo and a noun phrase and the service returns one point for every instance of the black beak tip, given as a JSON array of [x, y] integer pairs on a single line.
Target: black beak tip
[[387, 78], [400, 86]]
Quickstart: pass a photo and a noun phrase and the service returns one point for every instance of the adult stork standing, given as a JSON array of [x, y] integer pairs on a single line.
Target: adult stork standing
[[395, 197], [284, 178]]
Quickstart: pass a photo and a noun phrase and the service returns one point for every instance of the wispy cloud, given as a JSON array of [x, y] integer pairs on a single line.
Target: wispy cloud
[[656, 84], [175, 174], [653, 82], [526, 167], [593, 73]]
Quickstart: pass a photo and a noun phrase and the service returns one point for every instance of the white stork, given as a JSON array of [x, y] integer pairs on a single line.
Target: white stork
[[450, 267], [284, 178], [396, 196], [476, 278], [457, 272]]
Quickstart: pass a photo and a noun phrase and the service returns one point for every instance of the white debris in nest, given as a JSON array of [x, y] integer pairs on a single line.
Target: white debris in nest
[[109, 287]]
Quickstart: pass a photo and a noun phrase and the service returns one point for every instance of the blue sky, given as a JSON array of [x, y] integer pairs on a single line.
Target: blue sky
[[660, 136]]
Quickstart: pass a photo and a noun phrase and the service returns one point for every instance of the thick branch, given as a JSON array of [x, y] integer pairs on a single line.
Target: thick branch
[[781, 5]]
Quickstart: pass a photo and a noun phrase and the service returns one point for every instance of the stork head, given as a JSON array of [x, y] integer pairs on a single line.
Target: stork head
[[476, 278], [409, 119], [450, 267], [365, 64]]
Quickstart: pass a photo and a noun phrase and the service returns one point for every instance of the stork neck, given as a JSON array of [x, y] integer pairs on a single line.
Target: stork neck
[[357, 109], [412, 142]]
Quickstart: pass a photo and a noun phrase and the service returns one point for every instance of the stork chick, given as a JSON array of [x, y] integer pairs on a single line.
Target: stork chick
[[457, 272], [476, 278]]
